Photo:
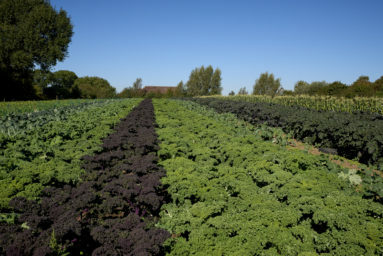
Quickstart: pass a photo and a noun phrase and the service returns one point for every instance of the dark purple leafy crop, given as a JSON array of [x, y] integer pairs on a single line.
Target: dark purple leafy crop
[[111, 212]]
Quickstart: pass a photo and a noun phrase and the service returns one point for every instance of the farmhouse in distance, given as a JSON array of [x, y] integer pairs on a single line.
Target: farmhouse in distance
[[159, 89]]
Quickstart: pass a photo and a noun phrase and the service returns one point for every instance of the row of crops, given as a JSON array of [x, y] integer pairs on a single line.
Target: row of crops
[[18, 107], [14, 123], [174, 177], [326, 103], [46, 149], [235, 194], [109, 211], [352, 135]]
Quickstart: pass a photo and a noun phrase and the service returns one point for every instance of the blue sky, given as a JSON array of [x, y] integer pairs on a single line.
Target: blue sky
[[161, 41]]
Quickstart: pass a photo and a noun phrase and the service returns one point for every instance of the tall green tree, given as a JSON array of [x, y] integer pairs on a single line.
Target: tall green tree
[[137, 85], [301, 87], [242, 91], [181, 89], [133, 91], [41, 80], [215, 83], [204, 81], [378, 87], [266, 84], [316, 87], [94, 87], [361, 87], [334, 89], [62, 85], [32, 33]]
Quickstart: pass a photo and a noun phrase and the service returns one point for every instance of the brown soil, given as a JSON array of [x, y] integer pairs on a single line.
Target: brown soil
[[345, 163]]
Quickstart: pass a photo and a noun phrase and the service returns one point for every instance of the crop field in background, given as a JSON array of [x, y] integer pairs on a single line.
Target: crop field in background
[[194, 176], [326, 103], [18, 107]]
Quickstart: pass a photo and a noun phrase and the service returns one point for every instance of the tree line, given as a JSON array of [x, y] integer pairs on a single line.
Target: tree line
[[267, 84], [65, 84], [362, 87], [202, 81]]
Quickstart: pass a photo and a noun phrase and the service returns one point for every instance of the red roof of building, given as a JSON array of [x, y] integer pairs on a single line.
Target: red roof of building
[[159, 89]]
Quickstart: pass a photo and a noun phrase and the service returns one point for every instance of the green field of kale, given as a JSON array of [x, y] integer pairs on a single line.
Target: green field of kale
[[234, 194], [352, 135], [44, 148], [17, 107], [181, 177]]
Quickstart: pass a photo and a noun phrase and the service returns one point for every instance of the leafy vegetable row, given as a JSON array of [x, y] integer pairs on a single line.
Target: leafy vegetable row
[[18, 107], [234, 194], [369, 182], [351, 135], [111, 212], [50, 155], [20, 123]]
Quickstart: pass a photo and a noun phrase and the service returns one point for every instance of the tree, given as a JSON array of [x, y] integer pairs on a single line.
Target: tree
[[62, 85], [287, 93], [334, 89], [267, 85], [137, 85], [133, 91], [361, 87], [137, 88], [181, 90], [316, 86], [59, 84], [32, 33], [215, 83], [243, 91], [204, 81], [94, 87], [301, 87], [362, 81], [41, 80], [127, 92], [378, 87], [232, 93]]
